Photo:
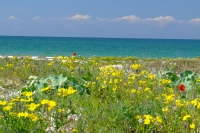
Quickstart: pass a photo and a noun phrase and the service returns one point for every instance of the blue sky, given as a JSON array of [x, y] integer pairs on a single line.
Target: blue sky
[[101, 18]]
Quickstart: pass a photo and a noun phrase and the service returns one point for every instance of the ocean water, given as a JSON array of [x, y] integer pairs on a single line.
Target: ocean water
[[54, 46]]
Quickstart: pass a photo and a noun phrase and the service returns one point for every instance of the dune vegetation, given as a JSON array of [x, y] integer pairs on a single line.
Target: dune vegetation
[[99, 94]]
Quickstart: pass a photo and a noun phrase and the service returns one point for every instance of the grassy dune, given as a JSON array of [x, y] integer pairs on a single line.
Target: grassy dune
[[99, 94]]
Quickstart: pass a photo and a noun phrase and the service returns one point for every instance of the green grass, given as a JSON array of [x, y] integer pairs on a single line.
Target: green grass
[[135, 96]]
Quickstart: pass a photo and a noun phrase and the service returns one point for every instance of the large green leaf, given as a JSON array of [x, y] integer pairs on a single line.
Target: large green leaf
[[41, 83], [187, 74], [57, 81], [173, 77], [73, 80]]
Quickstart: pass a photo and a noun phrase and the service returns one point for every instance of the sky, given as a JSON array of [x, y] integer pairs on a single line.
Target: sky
[[168, 19]]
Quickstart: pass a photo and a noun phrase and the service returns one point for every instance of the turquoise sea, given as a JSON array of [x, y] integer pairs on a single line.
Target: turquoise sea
[[54, 46]]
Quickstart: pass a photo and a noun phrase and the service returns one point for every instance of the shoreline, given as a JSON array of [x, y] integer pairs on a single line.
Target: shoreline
[[32, 57], [115, 57]]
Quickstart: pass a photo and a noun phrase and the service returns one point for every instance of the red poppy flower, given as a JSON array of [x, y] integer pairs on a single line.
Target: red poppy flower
[[181, 87], [74, 54]]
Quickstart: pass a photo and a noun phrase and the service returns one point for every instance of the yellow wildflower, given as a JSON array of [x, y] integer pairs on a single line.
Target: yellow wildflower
[[198, 105], [50, 63], [151, 76], [71, 90], [64, 92], [192, 126], [103, 86], [44, 101], [33, 117], [170, 90], [142, 82], [51, 104], [148, 116], [131, 77], [147, 89], [165, 81], [74, 130], [169, 98], [194, 102], [60, 110], [116, 81], [27, 93], [179, 103], [23, 114], [48, 88], [7, 108], [133, 90], [147, 121], [26, 100], [186, 117], [136, 66], [157, 98], [164, 109], [17, 99], [138, 116], [3, 102], [158, 119], [33, 106], [115, 88], [9, 65]]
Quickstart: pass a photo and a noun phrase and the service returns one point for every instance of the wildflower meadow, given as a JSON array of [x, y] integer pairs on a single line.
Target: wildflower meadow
[[99, 94]]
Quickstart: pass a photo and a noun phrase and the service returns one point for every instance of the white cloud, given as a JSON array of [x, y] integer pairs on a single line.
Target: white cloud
[[162, 19], [36, 18], [12, 17], [195, 21], [131, 18], [79, 17]]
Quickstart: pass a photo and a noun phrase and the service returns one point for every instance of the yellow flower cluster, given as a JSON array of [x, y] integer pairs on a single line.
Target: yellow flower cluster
[[7, 108], [25, 97], [168, 98], [3, 102], [50, 63], [33, 106], [108, 71], [136, 66], [27, 93], [51, 104], [65, 92], [33, 117], [164, 82], [46, 89], [148, 119]]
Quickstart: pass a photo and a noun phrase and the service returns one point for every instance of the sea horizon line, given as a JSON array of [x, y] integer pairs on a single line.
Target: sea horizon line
[[99, 37]]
